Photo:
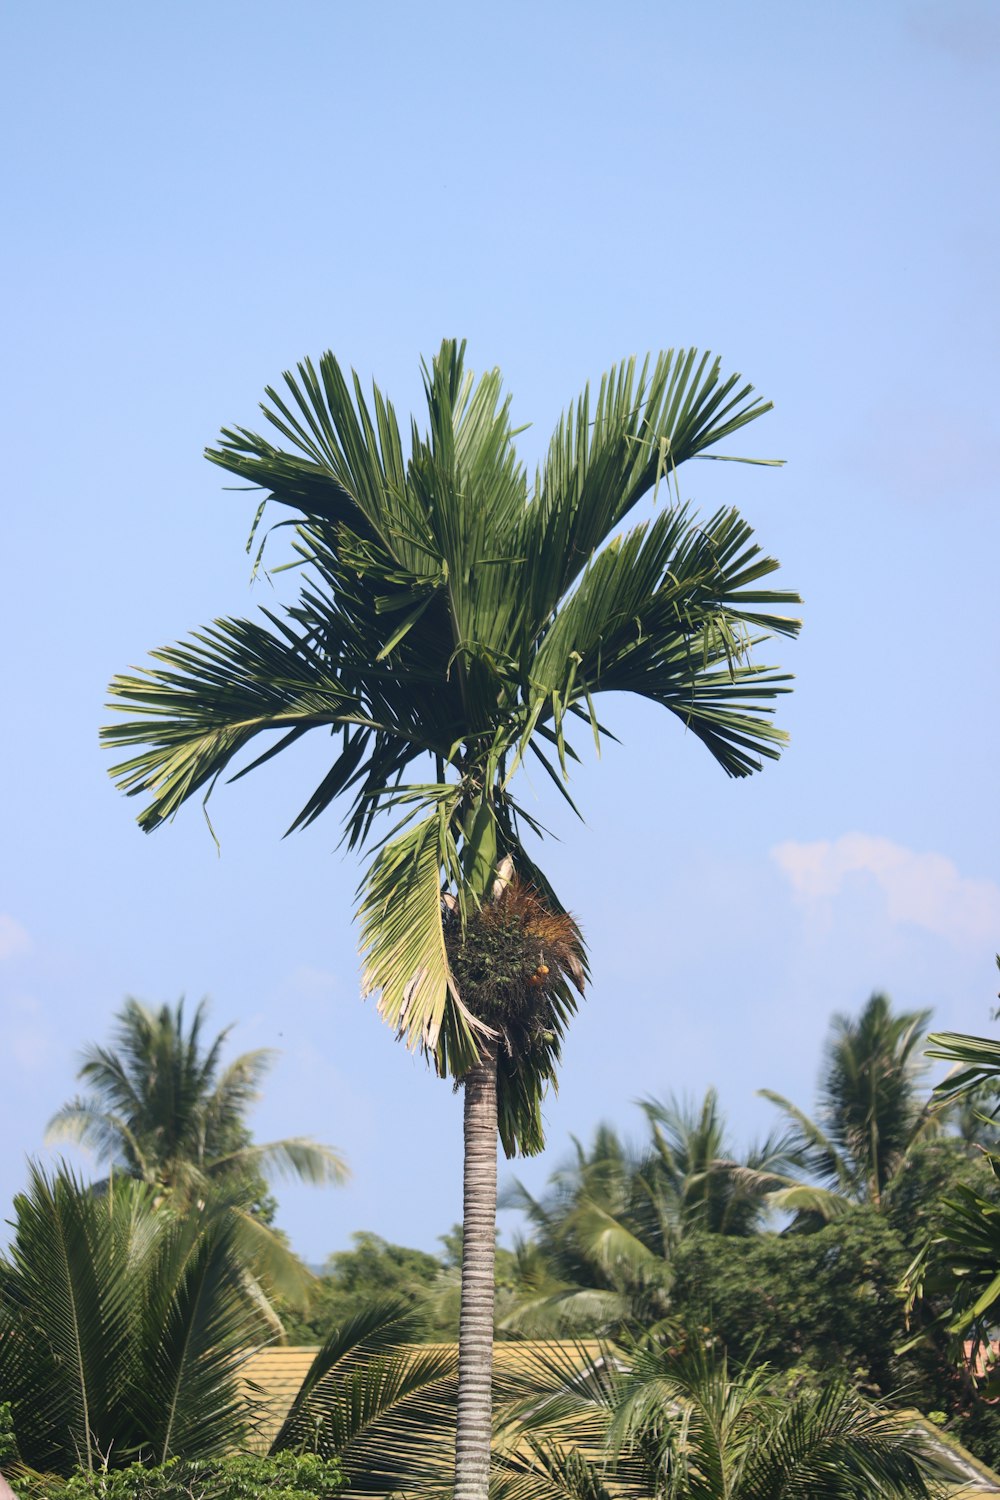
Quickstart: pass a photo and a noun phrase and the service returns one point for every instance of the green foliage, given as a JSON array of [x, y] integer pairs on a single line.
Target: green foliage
[[831, 1305], [379, 1403], [122, 1327], [161, 1107], [452, 621], [372, 1270], [960, 1263], [605, 1230], [239, 1476], [375, 1270], [825, 1302], [672, 1417], [8, 1442]]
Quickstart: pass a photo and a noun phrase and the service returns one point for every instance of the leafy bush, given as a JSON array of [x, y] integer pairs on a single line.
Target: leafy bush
[[242, 1476], [8, 1442]]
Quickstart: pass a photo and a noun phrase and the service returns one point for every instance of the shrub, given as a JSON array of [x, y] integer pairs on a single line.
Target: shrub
[[241, 1476]]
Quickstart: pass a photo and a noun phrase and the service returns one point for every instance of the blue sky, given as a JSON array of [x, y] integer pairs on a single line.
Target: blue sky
[[198, 196]]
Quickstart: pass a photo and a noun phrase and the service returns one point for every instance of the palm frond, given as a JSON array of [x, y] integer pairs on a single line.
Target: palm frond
[[824, 1153], [382, 1405], [84, 1122], [976, 1061], [402, 935], [196, 1323], [208, 700], [605, 456], [297, 1157], [670, 612]]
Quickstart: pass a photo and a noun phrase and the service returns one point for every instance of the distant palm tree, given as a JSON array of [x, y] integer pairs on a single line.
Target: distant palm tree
[[691, 1162], [603, 1235], [588, 1266], [162, 1107], [870, 1110]]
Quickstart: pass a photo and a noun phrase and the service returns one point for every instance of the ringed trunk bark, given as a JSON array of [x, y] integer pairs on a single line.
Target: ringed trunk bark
[[475, 1336]]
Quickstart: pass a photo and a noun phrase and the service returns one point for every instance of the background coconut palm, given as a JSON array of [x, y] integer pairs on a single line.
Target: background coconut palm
[[161, 1107], [871, 1112], [452, 621], [605, 1232]]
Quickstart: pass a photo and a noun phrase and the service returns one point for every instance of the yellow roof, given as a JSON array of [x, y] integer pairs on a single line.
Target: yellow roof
[[274, 1375]]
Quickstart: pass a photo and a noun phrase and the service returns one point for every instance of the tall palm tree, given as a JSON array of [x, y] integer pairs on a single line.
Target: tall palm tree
[[452, 621], [870, 1112], [161, 1106]]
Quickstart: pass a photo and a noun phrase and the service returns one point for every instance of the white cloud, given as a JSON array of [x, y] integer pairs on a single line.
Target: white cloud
[[923, 889], [13, 938]]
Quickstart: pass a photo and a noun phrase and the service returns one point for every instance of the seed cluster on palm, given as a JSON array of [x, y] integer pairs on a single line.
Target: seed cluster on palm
[[518, 962]]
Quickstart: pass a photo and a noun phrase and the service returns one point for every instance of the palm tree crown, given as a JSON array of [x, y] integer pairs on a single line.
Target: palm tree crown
[[870, 1110], [455, 617], [162, 1106]]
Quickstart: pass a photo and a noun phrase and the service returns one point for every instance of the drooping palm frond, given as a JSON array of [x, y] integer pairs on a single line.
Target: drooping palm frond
[[668, 611], [381, 1404], [298, 1157], [108, 1135]]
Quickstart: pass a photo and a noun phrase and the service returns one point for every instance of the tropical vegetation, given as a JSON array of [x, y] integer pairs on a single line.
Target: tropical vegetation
[[127, 1317], [870, 1111], [453, 620], [671, 1417], [123, 1324], [161, 1107], [961, 1261], [237, 1476]]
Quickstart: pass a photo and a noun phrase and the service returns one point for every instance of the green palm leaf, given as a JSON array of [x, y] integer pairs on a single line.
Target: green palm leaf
[[195, 1325], [122, 1327], [381, 1404]]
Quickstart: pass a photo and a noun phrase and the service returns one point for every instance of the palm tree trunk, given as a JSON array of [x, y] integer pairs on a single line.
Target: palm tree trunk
[[475, 1333]]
